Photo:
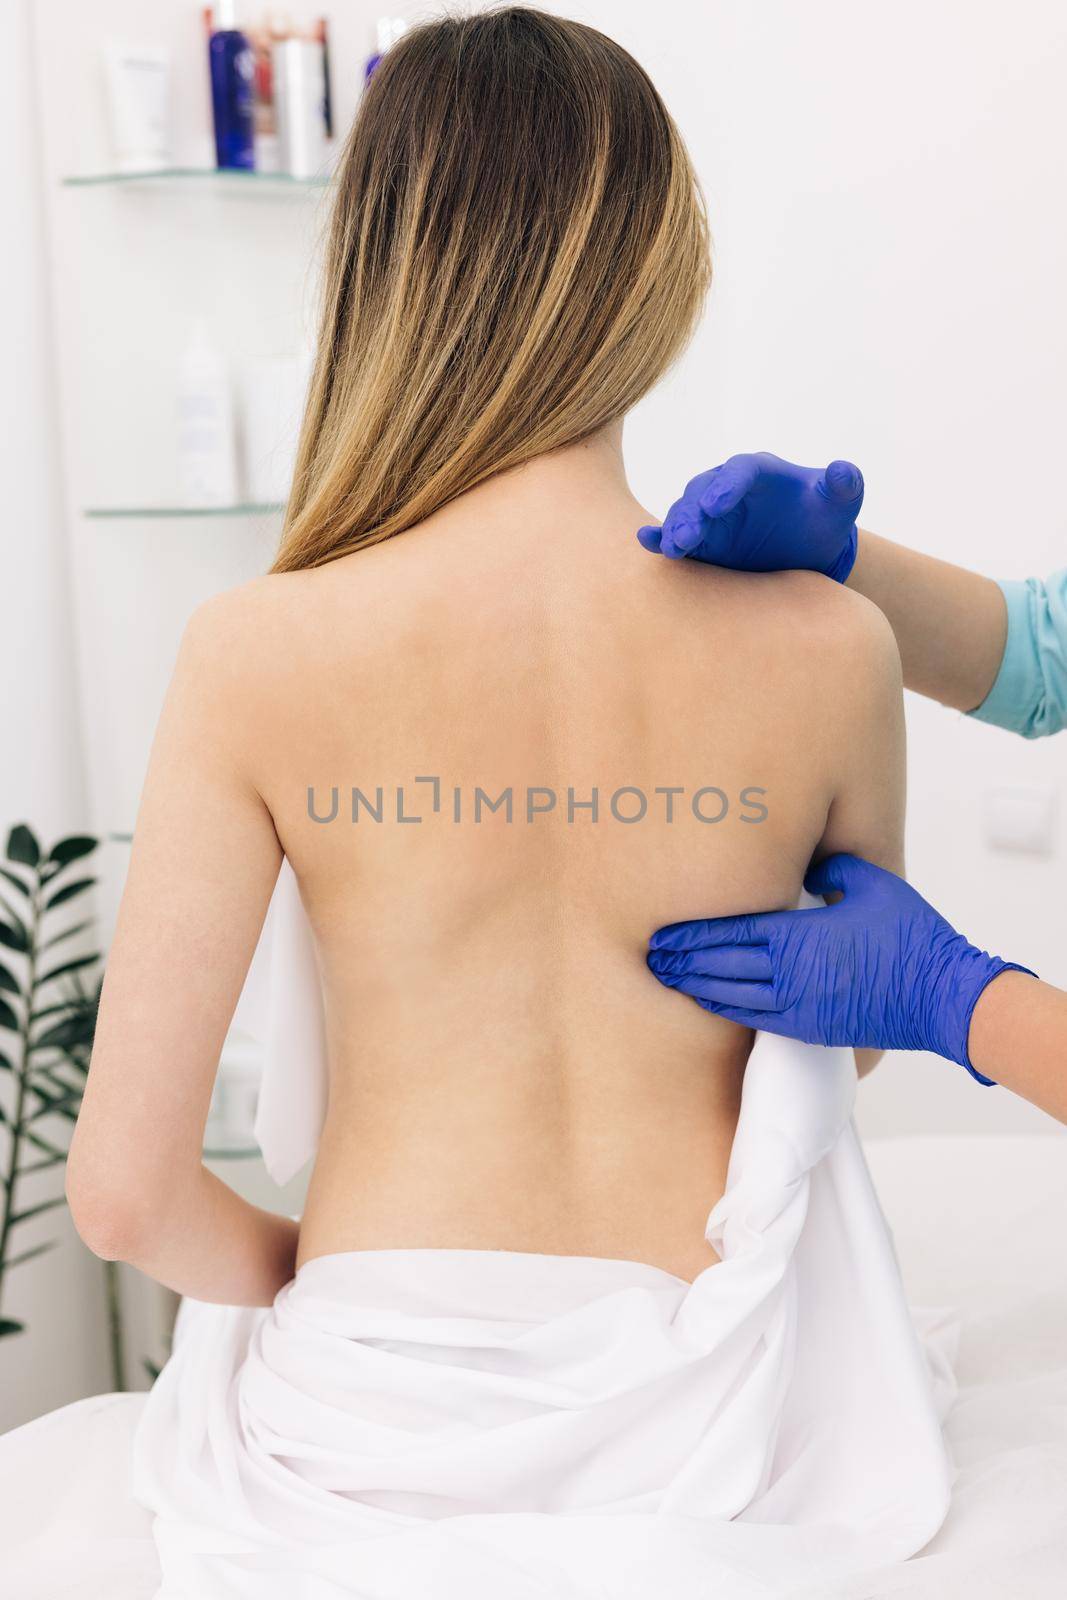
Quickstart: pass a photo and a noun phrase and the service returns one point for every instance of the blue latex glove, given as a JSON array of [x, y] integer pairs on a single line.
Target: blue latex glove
[[880, 969], [761, 514]]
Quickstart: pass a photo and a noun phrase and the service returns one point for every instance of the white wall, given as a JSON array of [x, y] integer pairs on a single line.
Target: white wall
[[885, 189]]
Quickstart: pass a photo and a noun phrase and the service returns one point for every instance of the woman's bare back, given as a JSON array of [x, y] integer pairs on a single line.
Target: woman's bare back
[[505, 1072], [429, 725]]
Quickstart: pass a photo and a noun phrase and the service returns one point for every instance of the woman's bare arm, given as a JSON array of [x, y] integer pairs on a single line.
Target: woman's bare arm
[[204, 862], [866, 816]]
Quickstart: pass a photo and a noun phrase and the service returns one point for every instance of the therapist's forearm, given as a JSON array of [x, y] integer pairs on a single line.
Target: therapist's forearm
[[950, 624], [1018, 1037]]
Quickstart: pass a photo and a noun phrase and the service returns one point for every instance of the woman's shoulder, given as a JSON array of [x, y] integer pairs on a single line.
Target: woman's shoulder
[[242, 615], [275, 618], [801, 627], [245, 647], [805, 600]]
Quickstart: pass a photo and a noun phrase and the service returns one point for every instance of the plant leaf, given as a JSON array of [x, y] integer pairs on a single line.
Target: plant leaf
[[8, 982], [50, 1011], [44, 1144], [50, 1074], [43, 1165], [51, 1096], [79, 1006], [50, 1070], [68, 1034], [18, 883], [28, 1255], [8, 1325], [22, 846], [6, 1063], [8, 1019], [13, 934], [68, 933], [73, 848], [37, 1210], [62, 1105], [68, 891], [58, 1108], [69, 966]]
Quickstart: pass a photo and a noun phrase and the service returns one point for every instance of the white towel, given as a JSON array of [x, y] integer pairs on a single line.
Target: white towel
[[281, 1006]]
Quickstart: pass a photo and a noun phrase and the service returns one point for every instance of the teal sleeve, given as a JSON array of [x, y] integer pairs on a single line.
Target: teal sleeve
[[1030, 693]]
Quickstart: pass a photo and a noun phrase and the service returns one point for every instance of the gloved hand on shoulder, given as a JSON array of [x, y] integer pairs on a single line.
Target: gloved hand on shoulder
[[757, 513]]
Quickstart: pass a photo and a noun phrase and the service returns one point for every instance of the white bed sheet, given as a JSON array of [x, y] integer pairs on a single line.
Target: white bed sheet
[[980, 1225]]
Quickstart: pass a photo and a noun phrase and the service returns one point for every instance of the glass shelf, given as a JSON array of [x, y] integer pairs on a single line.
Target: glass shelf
[[221, 178], [170, 513], [237, 1152]]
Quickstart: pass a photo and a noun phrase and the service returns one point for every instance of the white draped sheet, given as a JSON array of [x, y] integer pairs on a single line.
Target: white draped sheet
[[478, 1423]]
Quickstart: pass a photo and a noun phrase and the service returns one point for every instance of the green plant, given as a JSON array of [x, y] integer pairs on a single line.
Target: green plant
[[47, 1019]]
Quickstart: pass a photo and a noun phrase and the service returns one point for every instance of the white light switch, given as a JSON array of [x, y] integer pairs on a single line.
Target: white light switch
[[1021, 820]]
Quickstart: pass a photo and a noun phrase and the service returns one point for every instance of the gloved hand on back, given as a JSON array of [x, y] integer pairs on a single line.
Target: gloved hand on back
[[758, 513], [880, 969]]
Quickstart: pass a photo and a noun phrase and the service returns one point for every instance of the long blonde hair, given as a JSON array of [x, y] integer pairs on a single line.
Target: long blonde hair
[[517, 252]]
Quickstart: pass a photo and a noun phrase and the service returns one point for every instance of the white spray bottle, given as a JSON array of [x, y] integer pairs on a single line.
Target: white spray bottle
[[207, 453]]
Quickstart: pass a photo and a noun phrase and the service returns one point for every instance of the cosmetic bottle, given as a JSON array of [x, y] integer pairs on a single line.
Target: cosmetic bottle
[[207, 456], [232, 89], [264, 40], [387, 31], [137, 82], [300, 99]]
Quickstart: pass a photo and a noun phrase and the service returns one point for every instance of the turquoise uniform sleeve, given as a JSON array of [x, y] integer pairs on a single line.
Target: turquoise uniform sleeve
[[1030, 692]]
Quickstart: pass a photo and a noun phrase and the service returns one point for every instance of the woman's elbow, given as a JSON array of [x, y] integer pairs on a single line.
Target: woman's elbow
[[116, 1216], [102, 1216]]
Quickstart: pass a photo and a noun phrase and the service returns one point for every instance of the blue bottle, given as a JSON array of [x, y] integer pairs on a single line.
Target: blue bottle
[[232, 89]]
